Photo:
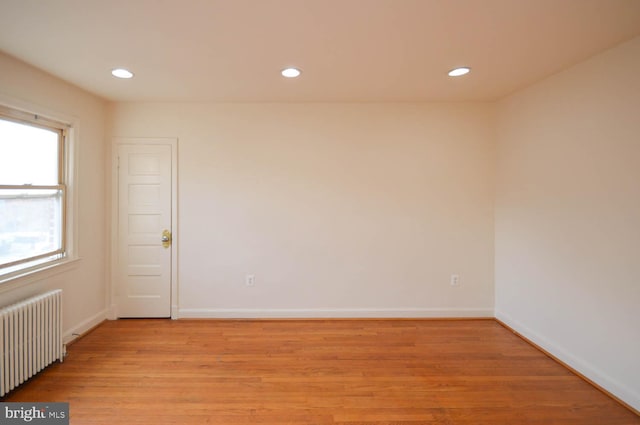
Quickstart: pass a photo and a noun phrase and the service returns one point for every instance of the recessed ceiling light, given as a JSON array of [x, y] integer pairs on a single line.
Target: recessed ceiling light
[[291, 72], [456, 72], [122, 73]]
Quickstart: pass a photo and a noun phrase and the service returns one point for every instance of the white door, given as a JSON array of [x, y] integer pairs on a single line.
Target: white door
[[143, 284]]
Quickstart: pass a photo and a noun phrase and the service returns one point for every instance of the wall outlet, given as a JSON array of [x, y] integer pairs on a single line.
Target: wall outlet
[[455, 280], [250, 280]]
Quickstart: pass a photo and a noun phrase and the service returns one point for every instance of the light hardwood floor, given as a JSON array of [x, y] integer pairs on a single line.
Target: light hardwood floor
[[316, 372]]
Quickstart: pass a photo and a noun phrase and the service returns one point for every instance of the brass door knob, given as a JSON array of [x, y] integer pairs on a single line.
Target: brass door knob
[[166, 238]]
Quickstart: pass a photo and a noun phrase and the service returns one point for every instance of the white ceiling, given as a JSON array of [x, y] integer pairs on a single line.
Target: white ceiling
[[349, 50]]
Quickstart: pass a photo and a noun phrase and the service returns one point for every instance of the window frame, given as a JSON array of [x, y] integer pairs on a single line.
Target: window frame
[[27, 266]]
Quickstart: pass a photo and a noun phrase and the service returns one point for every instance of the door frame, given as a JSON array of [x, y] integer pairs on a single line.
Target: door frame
[[175, 234]]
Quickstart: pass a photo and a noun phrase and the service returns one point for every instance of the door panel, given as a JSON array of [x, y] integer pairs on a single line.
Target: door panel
[[144, 211]]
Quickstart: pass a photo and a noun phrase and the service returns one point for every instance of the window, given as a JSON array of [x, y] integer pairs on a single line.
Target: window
[[33, 191]]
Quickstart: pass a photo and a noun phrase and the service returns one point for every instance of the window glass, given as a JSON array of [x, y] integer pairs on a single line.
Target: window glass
[[32, 195], [28, 154]]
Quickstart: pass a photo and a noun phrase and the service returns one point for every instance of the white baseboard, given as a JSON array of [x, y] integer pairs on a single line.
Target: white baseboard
[[241, 313], [84, 326], [623, 392]]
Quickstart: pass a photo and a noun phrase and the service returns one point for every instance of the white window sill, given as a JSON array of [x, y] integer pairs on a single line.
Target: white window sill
[[21, 279]]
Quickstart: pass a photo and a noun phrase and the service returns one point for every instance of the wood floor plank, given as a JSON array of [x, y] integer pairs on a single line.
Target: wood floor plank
[[308, 372]]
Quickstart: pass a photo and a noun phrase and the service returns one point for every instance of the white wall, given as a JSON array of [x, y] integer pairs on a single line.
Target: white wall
[[338, 209], [568, 217], [83, 281]]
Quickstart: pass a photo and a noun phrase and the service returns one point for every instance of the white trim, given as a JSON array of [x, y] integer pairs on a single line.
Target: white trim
[[112, 313], [175, 233], [84, 326], [72, 152], [30, 276], [240, 313], [625, 393], [34, 108], [110, 300]]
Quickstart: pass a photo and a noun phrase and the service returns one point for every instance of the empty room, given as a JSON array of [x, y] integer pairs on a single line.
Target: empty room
[[320, 212]]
